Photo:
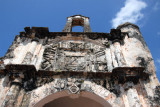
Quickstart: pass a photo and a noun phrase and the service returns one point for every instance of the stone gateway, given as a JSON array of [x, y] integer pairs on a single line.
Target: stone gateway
[[79, 69]]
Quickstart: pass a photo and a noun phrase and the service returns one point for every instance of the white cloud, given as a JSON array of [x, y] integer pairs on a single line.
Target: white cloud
[[158, 60], [157, 64], [131, 12], [156, 6]]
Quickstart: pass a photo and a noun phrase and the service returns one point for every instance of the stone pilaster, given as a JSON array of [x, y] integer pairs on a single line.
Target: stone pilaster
[[26, 99], [68, 26], [12, 93], [132, 95], [87, 27], [29, 54]]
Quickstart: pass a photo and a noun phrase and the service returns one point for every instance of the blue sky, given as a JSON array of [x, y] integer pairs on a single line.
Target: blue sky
[[104, 15]]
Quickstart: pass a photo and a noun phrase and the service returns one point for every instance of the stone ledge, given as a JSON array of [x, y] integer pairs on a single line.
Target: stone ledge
[[128, 71], [122, 74], [42, 32], [20, 67]]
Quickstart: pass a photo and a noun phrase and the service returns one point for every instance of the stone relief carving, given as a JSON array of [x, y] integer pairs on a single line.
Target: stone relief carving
[[27, 58], [74, 56]]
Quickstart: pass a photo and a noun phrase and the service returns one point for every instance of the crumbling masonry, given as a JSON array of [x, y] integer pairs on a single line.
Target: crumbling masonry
[[89, 69]]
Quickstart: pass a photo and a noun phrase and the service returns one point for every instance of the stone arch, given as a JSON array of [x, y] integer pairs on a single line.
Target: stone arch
[[62, 98], [78, 21], [86, 88]]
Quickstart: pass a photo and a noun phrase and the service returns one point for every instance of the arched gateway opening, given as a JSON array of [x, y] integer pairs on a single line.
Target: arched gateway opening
[[63, 99]]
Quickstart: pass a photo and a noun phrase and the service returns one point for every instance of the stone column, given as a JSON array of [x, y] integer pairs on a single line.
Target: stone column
[[132, 96], [124, 96], [29, 54], [26, 99], [36, 53], [20, 98], [3, 88], [12, 94], [118, 53], [68, 26], [87, 27]]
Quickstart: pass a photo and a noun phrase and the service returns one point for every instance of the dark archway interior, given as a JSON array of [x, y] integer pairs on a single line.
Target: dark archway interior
[[70, 102], [63, 99]]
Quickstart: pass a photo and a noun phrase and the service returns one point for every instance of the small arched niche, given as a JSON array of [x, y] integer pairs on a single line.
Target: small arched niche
[[63, 99]]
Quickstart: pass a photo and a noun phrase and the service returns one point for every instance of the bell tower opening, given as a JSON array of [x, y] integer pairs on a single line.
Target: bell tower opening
[[77, 25], [77, 29], [77, 20]]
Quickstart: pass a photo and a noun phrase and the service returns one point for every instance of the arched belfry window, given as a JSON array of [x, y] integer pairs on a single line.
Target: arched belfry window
[[77, 20]]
